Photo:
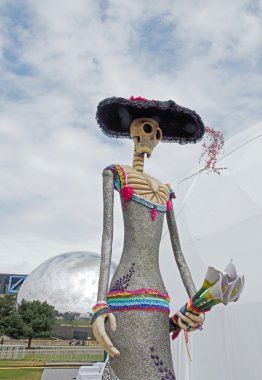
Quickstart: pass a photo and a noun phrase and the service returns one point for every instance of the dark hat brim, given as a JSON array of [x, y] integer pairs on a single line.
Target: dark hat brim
[[178, 124]]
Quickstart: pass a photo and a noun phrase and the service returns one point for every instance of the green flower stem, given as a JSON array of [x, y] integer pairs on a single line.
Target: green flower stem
[[200, 300], [208, 304], [199, 293]]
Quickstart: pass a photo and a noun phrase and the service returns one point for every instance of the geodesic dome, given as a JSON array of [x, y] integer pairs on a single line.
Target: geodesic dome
[[68, 281]]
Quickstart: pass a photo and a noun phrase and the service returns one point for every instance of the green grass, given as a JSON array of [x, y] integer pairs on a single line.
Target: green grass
[[28, 362], [75, 323], [71, 358], [19, 363], [28, 357], [21, 374]]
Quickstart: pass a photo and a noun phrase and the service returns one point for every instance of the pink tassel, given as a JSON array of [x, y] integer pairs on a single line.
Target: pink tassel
[[127, 192], [168, 205], [153, 214], [175, 334]]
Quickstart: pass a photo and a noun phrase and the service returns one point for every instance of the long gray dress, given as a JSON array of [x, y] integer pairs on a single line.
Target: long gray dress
[[142, 336]]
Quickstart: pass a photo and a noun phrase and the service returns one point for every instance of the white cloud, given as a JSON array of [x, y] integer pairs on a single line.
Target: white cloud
[[58, 59]]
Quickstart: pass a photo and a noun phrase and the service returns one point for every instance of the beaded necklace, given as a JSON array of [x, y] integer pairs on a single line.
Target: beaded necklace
[[127, 192]]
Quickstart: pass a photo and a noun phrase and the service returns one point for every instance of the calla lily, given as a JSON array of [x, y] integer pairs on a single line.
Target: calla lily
[[212, 276], [218, 287], [230, 270], [234, 290], [213, 294]]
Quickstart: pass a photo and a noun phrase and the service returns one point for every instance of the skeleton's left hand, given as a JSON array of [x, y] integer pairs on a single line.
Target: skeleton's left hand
[[190, 322]]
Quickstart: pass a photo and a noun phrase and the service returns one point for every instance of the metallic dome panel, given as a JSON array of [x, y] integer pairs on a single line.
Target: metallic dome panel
[[68, 281]]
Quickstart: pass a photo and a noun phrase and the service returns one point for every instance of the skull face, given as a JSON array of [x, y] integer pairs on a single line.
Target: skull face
[[146, 134]]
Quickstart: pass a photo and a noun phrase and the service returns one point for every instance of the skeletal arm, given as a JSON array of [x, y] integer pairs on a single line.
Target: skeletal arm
[[106, 253], [179, 257], [107, 238], [188, 320]]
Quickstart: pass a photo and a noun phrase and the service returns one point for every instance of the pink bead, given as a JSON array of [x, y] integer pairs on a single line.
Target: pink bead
[[127, 192], [168, 205], [153, 214]]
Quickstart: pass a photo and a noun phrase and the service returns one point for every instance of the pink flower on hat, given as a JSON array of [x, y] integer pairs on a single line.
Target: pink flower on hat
[[138, 98]]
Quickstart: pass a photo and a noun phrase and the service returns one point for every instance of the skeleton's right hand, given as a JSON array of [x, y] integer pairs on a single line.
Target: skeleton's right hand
[[101, 335]]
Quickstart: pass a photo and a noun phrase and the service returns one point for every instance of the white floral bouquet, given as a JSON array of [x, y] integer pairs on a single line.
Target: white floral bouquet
[[218, 287]]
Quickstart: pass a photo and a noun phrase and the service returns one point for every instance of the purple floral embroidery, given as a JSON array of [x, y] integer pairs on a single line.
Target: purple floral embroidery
[[123, 282], [165, 372]]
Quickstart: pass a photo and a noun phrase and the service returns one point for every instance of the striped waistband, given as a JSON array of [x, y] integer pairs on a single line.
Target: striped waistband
[[141, 299]]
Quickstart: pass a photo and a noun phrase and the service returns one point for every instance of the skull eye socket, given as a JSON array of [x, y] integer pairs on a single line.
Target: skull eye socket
[[158, 134], [147, 128]]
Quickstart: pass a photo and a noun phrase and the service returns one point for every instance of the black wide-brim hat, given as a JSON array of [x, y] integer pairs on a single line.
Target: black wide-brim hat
[[178, 124]]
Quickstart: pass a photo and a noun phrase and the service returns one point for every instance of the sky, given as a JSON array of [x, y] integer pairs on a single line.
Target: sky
[[59, 58]]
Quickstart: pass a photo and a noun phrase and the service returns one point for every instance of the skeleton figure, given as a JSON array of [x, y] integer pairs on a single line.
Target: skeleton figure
[[131, 320]]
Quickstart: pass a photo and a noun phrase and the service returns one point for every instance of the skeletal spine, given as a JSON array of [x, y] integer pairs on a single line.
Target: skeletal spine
[[138, 161]]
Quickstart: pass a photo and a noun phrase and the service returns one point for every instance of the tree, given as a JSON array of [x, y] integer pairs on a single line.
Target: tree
[[70, 316], [7, 307], [38, 318], [15, 326], [29, 319]]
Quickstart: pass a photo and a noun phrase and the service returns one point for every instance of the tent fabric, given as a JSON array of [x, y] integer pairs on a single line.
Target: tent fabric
[[220, 218], [228, 348]]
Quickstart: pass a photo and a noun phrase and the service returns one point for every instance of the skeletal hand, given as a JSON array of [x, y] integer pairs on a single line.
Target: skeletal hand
[[190, 322], [101, 335]]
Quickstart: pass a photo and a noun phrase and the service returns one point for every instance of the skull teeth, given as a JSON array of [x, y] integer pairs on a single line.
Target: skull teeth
[[146, 144]]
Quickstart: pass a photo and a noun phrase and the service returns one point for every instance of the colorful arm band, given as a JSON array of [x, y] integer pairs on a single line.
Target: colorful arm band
[[173, 321], [99, 309], [188, 307]]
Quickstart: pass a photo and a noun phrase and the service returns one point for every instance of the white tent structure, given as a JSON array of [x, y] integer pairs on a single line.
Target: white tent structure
[[220, 218]]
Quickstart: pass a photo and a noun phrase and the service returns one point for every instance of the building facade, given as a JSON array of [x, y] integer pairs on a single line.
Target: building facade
[[11, 283]]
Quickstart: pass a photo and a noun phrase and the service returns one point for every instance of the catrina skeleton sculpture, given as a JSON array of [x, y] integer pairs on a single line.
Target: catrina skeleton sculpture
[[131, 318]]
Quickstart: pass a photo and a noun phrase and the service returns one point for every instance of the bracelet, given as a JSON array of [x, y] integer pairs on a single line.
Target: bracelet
[[173, 323], [99, 309], [188, 307]]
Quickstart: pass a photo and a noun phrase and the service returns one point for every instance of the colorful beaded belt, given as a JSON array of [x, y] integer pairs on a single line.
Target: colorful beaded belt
[[141, 299]]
